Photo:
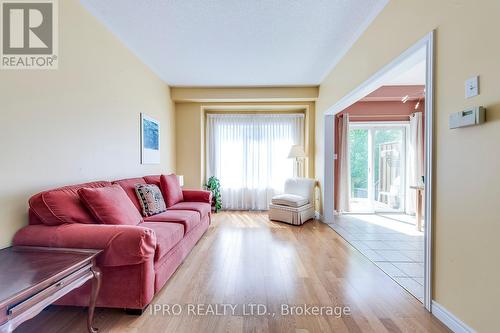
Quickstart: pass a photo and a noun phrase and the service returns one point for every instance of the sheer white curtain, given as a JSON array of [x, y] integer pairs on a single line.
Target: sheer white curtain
[[415, 159], [344, 165], [248, 153]]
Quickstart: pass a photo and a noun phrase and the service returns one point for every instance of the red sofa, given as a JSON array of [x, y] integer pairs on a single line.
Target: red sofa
[[138, 259]]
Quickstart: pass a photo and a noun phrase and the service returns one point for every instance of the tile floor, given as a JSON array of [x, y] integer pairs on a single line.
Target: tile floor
[[365, 206], [392, 242]]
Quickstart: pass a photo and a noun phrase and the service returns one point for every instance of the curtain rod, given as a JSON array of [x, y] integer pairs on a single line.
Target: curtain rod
[[253, 114], [376, 115], [380, 115]]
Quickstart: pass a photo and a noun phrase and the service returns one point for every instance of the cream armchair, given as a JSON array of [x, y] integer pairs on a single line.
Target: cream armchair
[[296, 205]]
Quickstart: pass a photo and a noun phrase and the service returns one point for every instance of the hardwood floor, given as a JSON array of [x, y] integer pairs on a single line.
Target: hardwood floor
[[243, 259]]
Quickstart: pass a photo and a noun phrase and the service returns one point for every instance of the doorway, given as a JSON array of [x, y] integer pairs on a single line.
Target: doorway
[[420, 188]]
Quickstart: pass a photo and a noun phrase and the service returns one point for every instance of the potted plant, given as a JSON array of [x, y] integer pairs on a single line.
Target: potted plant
[[213, 185]]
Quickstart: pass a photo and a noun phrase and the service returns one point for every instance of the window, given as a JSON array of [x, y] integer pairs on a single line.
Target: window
[[248, 153]]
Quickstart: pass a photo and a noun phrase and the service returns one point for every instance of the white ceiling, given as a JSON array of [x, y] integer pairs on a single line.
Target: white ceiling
[[238, 42]]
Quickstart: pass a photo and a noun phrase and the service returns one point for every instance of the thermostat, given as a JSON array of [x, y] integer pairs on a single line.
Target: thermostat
[[468, 117]]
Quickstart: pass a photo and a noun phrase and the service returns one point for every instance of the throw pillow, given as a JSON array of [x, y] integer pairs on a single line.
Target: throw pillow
[[150, 198], [110, 205], [171, 189]]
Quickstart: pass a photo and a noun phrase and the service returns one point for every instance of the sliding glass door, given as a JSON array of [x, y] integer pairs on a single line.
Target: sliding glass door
[[378, 167]]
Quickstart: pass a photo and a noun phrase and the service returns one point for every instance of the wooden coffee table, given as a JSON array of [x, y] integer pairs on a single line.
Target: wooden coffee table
[[31, 278]]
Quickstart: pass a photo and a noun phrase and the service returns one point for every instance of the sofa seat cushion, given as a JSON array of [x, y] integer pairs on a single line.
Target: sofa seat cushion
[[129, 186], [168, 235], [110, 205], [188, 218], [290, 200], [63, 205], [202, 208]]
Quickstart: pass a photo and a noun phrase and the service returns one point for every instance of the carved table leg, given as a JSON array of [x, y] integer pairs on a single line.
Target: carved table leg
[[96, 285]]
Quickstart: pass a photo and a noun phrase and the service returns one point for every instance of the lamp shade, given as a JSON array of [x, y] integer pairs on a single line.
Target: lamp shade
[[180, 178], [297, 151]]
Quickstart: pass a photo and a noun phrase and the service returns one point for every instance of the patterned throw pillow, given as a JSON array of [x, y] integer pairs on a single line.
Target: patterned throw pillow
[[150, 198]]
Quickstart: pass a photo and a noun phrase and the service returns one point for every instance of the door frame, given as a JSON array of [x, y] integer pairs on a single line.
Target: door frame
[[362, 90], [371, 127]]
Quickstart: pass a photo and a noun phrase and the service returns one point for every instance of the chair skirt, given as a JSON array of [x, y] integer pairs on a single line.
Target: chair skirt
[[291, 215]]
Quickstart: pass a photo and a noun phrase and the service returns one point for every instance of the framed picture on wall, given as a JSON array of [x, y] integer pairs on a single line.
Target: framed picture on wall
[[150, 140]]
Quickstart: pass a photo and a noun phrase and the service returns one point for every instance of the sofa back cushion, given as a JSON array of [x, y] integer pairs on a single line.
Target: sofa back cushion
[[110, 205], [155, 180], [171, 189], [128, 186], [62, 205]]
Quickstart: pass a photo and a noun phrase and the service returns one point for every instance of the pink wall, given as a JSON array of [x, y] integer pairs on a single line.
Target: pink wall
[[395, 111], [395, 93]]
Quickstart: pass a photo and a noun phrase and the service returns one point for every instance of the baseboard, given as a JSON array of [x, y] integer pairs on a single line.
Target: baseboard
[[449, 319]]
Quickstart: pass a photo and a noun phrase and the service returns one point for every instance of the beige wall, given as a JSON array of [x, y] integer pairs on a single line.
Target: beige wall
[[189, 143], [77, 123], [261, 94], [190, 137], [467, 180]]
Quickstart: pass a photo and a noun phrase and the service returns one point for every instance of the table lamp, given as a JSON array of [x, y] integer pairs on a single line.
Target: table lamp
[[180, 178], [297, 152]]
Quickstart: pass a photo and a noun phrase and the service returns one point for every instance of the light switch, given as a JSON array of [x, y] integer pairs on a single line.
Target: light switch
[[472, 87]]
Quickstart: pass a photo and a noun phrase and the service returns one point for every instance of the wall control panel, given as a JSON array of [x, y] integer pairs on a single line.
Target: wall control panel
[[469, 117]]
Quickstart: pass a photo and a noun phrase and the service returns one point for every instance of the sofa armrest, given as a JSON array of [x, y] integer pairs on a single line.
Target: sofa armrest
[[197, 196], [122, 244]]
